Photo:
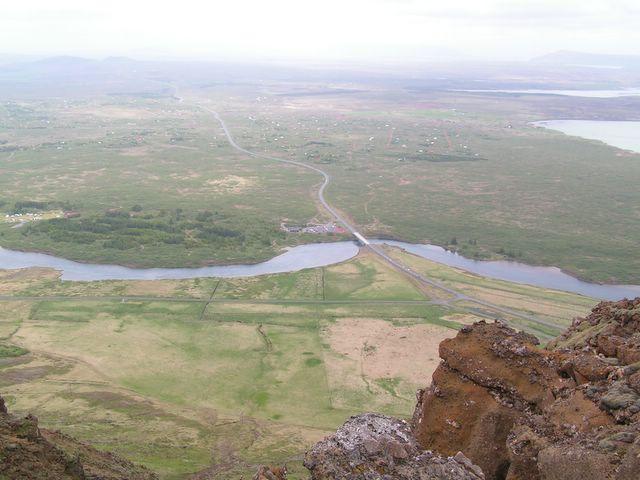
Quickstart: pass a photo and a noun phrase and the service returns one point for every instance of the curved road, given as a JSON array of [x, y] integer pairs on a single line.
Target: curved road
[[362, 239], [325, 175]]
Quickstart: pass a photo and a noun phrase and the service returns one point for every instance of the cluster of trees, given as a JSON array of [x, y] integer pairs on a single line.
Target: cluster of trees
[[124, 230], [30, 206]]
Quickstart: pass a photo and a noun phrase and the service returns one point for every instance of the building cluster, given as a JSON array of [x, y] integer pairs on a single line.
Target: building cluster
[[32, 217], [315, 228], [22, 217]]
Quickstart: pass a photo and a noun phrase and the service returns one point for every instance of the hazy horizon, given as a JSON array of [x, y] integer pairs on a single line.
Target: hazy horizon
[[404, 30]]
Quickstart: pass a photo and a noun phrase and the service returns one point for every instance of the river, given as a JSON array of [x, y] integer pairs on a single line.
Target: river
[[296, 258], [322, 254], [545, 277]]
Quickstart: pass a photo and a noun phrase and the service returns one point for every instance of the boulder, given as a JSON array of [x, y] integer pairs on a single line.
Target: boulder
[[373, 446]]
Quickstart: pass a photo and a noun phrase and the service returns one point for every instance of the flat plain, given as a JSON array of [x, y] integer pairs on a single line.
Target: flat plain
[[152, 182]]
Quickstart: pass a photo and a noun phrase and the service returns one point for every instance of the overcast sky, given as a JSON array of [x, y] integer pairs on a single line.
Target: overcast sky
[[318, 29]]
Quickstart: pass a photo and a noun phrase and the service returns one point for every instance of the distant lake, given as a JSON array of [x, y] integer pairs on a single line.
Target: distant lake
[[628, 92], [620, 134]]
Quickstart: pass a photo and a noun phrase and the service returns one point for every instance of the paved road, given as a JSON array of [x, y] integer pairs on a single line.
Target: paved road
[[363, 240]]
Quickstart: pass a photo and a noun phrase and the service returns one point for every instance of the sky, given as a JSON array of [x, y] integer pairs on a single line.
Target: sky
[[319, 30]]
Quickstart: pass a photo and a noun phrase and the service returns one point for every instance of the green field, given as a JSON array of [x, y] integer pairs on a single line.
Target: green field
[[181, 380]]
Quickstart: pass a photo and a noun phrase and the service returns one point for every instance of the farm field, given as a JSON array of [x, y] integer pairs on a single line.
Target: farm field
[[181, 380]]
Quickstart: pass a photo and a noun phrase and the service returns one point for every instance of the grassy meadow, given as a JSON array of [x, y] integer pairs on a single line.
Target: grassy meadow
[[184, 381]]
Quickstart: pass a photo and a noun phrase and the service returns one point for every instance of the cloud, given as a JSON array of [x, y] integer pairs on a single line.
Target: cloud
[[518, 12]]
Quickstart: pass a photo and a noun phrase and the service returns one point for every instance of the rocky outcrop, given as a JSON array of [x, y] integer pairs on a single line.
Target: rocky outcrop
[[522, 412], [28, 452], [373, 446], [501, 407], [490, 378]]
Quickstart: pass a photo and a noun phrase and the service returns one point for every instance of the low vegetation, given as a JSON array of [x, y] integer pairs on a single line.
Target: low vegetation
[[7, 351], [462, 170], [140, 238], [167, 192]]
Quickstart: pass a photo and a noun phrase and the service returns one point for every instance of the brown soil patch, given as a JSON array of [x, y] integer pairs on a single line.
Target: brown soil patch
[[187, 175], [388, 351], [160, 288], [231, 184], [522, 302], [24, 374], [139, 151], [463, 318]]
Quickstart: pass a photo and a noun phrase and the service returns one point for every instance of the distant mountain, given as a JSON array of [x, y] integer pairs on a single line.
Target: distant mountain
[[567, 57], [70, 75], [64, 60], [76, 67], [51, 66]]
